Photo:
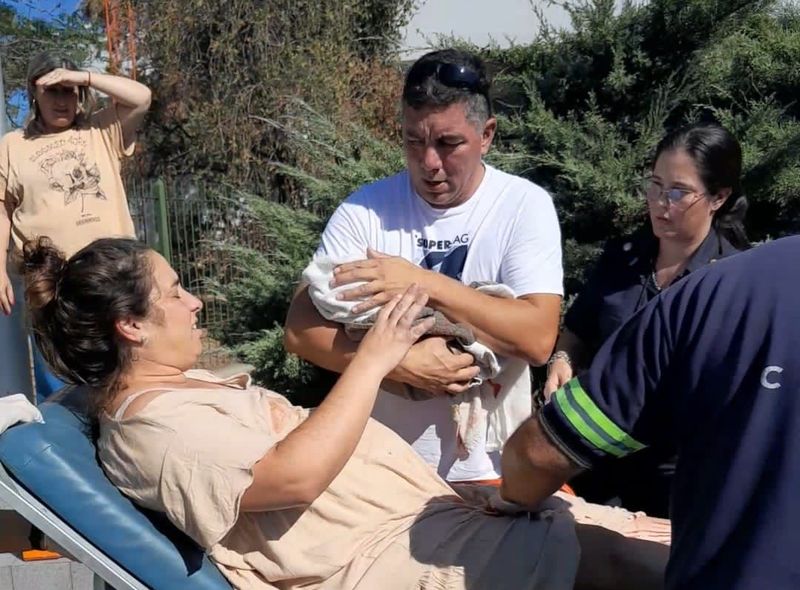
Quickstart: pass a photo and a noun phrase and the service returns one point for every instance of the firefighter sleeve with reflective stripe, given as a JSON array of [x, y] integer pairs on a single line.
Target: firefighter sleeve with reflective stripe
[[620, 405]]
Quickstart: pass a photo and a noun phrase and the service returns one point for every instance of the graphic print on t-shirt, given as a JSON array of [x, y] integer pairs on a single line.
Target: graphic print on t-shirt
[[65, 165], [445, 256]]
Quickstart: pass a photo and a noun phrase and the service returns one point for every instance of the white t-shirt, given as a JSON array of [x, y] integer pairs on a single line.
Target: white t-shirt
[[507, 232]]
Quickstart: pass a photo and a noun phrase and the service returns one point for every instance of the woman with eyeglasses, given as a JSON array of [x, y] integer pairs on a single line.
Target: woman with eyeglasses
[[696, 209]]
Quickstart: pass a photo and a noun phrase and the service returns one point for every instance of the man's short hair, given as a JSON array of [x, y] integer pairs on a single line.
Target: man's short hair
[[449, 76]]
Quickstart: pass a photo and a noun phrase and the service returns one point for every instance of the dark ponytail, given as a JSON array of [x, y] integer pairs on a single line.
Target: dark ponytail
[[718, 157], [729, 221]]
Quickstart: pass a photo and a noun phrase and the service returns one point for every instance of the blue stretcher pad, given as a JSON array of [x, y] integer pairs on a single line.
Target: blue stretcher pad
[[50, 475]]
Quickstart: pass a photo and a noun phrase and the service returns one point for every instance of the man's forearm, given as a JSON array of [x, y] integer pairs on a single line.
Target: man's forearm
[[533, 468], [313, 338], [511, 327]]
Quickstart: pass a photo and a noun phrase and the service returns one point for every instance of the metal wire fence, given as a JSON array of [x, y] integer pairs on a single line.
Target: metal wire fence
[[189, 221]]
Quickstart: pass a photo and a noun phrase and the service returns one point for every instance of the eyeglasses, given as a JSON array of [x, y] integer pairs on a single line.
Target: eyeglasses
[[668, 197]]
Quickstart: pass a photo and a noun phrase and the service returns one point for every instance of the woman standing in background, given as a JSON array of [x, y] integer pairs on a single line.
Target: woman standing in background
[[696, 209]]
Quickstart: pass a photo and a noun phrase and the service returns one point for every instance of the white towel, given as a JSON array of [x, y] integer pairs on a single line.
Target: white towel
[[15, 409], [318, 274], [499, 399]]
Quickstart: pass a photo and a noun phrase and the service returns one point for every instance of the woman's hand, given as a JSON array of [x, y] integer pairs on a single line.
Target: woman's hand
[[395, 330], [63, 77], [6, 293], [558, 373]]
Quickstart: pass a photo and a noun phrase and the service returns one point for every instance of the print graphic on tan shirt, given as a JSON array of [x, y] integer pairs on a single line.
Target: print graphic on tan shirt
[[68, 171], [67, 185]]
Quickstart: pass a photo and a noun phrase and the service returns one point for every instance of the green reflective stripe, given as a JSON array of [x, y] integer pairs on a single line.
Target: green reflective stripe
[[589, 421], [585, 430], [601, 420]]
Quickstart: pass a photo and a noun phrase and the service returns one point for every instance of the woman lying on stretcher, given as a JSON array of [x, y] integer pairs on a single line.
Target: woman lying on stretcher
[[283, 497]]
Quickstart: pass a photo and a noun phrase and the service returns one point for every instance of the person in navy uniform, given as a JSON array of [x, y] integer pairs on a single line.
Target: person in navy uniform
[[696, 208], [711, 367]]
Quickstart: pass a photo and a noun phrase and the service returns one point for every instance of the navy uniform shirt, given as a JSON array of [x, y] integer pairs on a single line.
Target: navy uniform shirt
[[712, 366], [621, 283]]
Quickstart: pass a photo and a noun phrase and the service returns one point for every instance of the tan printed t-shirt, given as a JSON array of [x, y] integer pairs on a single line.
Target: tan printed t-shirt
[[66, 186], [386, 521]]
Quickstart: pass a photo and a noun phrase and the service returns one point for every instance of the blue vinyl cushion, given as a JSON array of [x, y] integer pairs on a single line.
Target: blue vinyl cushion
[[56, 461]]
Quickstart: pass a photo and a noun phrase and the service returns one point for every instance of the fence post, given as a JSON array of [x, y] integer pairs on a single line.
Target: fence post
[[164, 242]]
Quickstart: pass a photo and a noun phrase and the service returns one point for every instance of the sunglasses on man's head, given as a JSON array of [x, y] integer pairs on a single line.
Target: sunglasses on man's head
[[455, 76]]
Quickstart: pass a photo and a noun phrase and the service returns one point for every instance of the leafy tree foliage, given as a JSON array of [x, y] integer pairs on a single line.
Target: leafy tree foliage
[[221, 70], [22, 37]]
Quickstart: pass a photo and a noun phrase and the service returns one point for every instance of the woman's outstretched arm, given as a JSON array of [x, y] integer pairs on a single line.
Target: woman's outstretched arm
[[299, 468]]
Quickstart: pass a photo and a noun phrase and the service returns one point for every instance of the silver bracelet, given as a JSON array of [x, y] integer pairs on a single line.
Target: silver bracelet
[[560, 355]]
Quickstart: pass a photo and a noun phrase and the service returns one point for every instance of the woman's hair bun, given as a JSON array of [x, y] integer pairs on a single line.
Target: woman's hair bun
[[43, 268]]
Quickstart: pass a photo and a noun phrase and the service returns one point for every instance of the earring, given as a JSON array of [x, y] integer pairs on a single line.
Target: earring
[[143, 340]]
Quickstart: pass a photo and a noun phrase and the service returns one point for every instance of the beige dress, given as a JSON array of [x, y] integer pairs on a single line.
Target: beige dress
[[386, 522]]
